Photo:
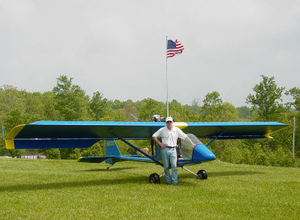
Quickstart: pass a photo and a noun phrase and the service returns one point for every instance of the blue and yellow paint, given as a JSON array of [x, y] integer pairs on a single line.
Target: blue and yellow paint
[[9, 139], [82, 134]]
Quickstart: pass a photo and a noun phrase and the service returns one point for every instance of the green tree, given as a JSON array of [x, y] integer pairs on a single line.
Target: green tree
[[98, 105], [266, 100], [295, 93], [244, 113], [182, 112], [149, 107], [232, 153], [48, 109], [71, 101], [297, 103], [52, 153], [212, 107], [229, 113]]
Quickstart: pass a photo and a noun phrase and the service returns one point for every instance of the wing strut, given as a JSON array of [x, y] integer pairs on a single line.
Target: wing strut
[[215, 138], [142, 152]]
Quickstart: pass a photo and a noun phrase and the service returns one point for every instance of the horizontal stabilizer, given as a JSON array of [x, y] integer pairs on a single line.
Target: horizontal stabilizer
[[112, 160], [92, 159]]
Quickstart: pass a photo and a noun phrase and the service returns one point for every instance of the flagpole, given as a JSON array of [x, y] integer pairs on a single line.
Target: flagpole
[[167, 77]]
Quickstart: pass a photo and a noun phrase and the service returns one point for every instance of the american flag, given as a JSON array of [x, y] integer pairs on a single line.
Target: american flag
[[173, 48]]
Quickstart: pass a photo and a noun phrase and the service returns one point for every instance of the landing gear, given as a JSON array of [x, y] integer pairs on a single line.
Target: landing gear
[[202, 174], [154, 178]]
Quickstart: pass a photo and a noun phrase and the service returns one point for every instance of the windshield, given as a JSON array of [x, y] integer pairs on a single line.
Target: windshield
[[187, 148]]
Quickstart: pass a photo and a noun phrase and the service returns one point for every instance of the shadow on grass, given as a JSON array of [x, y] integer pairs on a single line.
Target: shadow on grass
[[220, 174], [232, 173], [141, 180], [108, 170], [74, 184]]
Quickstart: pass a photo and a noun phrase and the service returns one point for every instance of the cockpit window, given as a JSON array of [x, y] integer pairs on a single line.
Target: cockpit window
[[187, 148]]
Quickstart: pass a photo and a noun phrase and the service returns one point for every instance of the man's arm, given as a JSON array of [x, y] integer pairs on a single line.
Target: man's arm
[[159, 143], [189, 140], [183, 136]]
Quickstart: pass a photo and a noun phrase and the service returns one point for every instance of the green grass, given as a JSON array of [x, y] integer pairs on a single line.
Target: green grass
[[64, 189]]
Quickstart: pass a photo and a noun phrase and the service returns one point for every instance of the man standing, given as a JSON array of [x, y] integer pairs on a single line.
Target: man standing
[[169, 135]]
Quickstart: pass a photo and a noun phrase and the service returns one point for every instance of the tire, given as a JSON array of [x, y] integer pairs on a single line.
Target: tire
[[202, 174], [154, 178]]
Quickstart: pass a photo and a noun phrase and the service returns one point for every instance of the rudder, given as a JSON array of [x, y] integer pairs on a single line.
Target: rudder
[[111, 148]]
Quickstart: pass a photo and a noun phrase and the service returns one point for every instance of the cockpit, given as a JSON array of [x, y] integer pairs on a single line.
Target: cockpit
[[198, 153], [186, 149]]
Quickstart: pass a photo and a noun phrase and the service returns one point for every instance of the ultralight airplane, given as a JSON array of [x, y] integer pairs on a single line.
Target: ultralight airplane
[[84, 134]]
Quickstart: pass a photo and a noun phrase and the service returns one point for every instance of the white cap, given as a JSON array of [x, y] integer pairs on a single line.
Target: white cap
[[169, 119]]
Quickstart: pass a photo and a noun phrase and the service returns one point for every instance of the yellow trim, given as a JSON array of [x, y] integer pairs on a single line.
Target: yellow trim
[[180, 125], [269, 132], [9, 144], [9, 139]]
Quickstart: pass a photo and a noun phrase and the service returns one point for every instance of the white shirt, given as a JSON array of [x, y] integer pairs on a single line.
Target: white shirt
[[169, 137]]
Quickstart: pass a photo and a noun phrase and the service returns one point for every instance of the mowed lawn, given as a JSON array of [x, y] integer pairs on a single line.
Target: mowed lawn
[[66, 189]]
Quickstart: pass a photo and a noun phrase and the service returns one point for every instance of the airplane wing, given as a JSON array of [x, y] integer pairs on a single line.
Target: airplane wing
[[83, 134]]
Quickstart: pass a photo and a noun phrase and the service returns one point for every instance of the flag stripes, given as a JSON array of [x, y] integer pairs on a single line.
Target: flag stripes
[[173, 48]]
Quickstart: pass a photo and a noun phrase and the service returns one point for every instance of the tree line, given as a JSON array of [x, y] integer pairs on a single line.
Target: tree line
[[69, 102]]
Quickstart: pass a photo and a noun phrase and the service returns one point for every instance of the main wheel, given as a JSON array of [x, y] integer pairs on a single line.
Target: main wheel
[[202, 174], [154, 178]]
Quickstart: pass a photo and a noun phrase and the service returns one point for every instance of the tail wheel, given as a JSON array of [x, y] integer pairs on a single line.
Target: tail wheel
[[202, 174], [154, 178]]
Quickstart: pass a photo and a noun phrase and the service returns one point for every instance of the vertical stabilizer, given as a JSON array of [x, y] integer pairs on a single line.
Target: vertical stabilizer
[[111, 148]]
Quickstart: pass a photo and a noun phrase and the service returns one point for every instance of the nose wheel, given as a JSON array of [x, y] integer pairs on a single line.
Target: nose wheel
[[202, 174], [154, 178]]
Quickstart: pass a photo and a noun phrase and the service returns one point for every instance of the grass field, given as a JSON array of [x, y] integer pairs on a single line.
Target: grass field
[[65, 189]]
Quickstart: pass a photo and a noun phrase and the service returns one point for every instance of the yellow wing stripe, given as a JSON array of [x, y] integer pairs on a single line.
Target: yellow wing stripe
[[9, 139], [180, 125], [269, 132]]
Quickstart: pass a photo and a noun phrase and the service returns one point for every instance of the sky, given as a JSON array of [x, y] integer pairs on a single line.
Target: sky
[[119, 47]]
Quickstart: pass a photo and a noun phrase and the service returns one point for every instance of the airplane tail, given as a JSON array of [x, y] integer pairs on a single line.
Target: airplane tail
[[111, 148], [112, 154]]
